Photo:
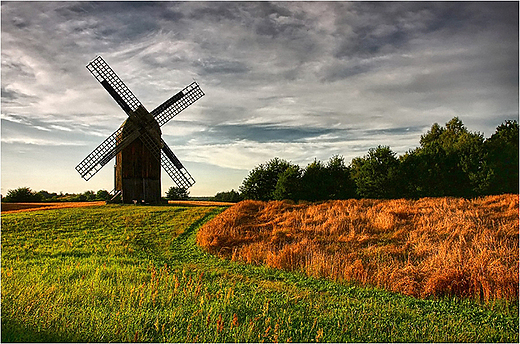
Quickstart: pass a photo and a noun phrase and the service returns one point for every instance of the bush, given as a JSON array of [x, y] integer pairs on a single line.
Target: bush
[[228, 196], [102, 195], [177, 193], [23, 194]]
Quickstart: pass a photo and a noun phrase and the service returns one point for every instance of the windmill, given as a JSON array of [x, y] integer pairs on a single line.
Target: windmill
[[137, 144]]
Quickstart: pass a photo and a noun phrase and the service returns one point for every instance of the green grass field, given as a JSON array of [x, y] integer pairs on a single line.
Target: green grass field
[[134, 273]]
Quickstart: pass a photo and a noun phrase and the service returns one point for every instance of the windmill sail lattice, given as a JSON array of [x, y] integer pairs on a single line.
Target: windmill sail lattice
[[139, 133], [111, 82]]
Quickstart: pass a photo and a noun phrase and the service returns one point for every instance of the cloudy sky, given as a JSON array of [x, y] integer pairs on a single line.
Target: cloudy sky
[[296, 80]]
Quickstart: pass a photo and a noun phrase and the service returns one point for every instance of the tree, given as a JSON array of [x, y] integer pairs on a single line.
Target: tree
[[102, 195], [89, 196], [315, 182], [47, 196], [228, 196], [261, 181], [177, 193], [449, 162], [502, 157], [376, 174], [339, 182], [289, 184], [22, 194]]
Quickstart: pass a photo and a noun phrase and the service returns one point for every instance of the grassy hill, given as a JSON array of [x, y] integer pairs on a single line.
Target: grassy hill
[[127, 273]]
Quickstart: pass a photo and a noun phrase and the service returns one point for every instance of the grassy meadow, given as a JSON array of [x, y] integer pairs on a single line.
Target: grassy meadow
[[135, 273]]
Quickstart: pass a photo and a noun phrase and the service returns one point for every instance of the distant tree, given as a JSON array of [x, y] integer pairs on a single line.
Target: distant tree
[[22, 194], [102, 195], [315, 182], [409, 164], [228, 196], [47, 196], [339, 182], [261, 181], [289, 184], [449, 162], [502, 158], [376, 174], [89, 195], [177, 193]]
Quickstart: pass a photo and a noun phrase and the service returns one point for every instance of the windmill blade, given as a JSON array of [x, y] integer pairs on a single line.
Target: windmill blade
[[174, 168], [114, 86], [170, 108], [108, 149], [169, 162]]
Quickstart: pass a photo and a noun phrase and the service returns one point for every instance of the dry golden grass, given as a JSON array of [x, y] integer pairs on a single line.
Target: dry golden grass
[[425, 247], [18, 207], [200, 203]]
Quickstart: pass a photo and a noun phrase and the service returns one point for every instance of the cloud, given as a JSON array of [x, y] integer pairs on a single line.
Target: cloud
[[31, 141], [212, 65], [306, 79], [245, 153], [263, 133]]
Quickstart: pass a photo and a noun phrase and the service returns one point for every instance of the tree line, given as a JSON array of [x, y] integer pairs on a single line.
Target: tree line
[[450, 161], [26, 194]]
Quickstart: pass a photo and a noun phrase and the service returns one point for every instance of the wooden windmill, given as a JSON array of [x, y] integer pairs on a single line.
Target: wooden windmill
[[137, 144]]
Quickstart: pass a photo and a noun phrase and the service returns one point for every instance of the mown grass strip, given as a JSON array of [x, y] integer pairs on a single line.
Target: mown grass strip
[[135, 274]]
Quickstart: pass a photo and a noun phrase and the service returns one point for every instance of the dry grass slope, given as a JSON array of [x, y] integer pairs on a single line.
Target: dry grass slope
[[425, 247]]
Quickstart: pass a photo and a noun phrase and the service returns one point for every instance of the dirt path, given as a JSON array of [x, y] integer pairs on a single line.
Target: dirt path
[[18, 207], [201, 203]]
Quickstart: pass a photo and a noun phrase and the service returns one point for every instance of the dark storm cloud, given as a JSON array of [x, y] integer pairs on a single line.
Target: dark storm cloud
[[20, 69], [338, 71]]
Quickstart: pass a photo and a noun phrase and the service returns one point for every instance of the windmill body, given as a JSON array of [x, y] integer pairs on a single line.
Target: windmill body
[[137, 144], [137, 168]]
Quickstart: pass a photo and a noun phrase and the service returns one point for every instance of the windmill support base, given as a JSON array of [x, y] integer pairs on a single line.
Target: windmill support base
[[141, 190]]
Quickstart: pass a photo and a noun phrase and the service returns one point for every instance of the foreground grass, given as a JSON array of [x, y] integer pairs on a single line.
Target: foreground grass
[[131, 273]]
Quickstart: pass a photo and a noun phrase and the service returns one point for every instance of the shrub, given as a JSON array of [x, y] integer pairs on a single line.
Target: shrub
[[177, 193], [22, 194], [228, 196]]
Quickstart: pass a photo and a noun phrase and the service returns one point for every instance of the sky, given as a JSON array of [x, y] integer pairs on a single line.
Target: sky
[[295, 80]]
